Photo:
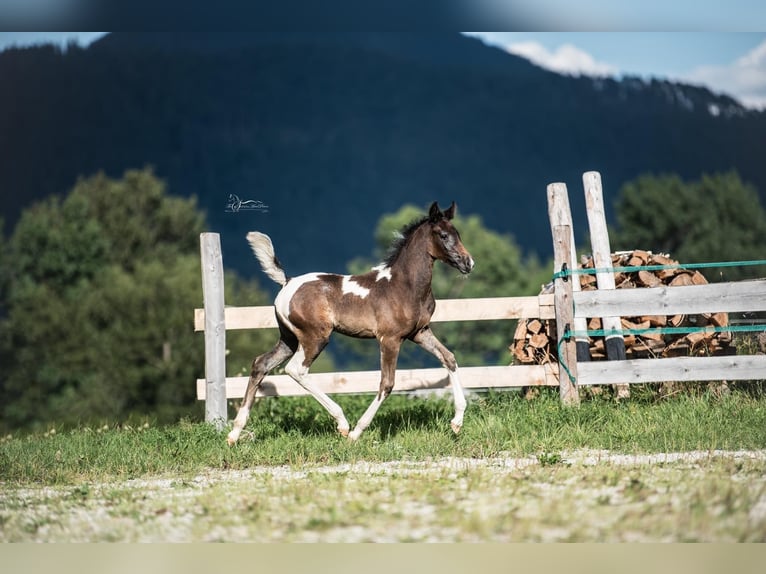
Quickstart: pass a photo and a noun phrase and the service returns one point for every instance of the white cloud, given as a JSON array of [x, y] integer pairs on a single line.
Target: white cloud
[[566, 59], [744, 79]]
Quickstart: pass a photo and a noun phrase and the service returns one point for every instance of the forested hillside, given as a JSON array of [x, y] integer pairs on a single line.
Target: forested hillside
[[332, 131]]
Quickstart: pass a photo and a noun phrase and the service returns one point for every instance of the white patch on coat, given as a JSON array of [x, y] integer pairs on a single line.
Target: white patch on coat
[[285, 296], [384, 272], [351, 287]]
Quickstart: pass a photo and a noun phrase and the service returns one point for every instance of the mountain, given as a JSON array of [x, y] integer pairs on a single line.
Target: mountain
[[332, 130]]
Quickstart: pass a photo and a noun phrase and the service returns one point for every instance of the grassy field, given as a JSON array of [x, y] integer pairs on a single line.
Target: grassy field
[[519, 471]]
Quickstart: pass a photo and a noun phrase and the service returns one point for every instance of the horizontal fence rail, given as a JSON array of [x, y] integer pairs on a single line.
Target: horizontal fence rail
[[739, 297], [406, 380], [682, 369], [481, 309], [688, 299]]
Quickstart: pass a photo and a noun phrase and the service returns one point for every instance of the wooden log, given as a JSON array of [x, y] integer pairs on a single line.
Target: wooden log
[[215, 330], [649, 279], [564, 306], [602, 257], [539, 340], [559, 213], [638, 258], [534, 326]]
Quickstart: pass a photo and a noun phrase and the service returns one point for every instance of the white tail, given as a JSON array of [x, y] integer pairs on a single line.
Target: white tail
[[261, 245]]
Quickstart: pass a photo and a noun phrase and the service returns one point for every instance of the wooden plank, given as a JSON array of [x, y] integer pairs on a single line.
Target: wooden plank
[[602, 257], [241, 318], [406, 380], [565, 318], [493, 308], [729, 368], [479, 309], [215, 329], [559, 213], [738, 297]]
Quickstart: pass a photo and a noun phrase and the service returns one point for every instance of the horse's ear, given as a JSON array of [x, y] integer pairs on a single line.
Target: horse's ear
[[450, 212], [434, 213]]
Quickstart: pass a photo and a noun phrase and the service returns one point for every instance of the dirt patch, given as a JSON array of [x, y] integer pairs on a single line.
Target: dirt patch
[[571, 496]]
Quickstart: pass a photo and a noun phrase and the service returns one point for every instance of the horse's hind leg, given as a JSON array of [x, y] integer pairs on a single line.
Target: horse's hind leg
[[426, 339], [298, 369], [261, 366]]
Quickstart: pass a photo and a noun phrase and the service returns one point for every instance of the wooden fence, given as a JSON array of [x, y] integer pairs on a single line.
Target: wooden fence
[[569, 306]]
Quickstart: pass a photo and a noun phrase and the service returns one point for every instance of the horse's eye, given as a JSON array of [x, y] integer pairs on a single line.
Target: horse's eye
[[444, 235]]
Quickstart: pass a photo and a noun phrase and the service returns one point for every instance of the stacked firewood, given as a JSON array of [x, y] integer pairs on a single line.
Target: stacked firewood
[[535, 340]]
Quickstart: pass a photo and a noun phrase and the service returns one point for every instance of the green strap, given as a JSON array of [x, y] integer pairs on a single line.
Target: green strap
[[566, 272], [567, 335], [667, 330]]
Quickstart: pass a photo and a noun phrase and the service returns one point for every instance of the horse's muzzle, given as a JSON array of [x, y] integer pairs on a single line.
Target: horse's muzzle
[[465, 264]]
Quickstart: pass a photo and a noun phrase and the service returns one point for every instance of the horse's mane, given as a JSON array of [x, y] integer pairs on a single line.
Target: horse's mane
[[397, 245]]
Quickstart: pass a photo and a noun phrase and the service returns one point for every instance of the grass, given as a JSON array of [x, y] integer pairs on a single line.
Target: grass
[[297, 432], [292, 478]]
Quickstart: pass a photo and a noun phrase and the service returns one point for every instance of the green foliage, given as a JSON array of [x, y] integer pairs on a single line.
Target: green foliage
[[717, 218], [102, 284], [500, 271]]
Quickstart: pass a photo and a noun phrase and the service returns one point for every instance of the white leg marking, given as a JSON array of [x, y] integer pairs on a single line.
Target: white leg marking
[[296, 369], [239, 424], [233, 436], [351, 287], [459, 398], [366, 418]]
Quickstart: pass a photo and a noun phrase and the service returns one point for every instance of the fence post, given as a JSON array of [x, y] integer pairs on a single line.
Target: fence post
[[559, 213], [215, 330], [602, 257], [563, 301]]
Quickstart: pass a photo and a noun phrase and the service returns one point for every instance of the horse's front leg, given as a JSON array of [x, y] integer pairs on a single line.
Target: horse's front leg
[[426, 339], [389, 353]]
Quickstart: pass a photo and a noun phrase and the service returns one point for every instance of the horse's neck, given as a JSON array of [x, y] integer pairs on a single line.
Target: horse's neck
[[414, 267]]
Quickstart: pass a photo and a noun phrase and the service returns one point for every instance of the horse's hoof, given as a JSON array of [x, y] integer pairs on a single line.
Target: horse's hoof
[[231, 440], [343, 432], [354, 435], [455, 427]]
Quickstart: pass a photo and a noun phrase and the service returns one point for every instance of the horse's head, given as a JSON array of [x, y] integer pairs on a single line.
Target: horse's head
[[445, 244]]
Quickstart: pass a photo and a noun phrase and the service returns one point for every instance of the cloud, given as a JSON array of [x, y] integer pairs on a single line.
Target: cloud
[[744, 79], [566, 59]]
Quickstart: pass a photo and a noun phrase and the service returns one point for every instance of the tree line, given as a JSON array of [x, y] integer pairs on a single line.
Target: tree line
[[98, 286]]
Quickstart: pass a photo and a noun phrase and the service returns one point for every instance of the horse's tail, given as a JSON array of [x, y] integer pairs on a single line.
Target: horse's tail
[[261, 245]]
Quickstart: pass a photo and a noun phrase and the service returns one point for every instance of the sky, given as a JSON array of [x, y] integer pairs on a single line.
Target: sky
[[726, 62]]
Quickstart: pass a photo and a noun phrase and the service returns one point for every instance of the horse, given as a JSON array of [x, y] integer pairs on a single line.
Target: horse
[[393, 302]]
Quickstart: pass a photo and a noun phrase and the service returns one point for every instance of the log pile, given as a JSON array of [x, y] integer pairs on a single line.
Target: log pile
[[535, 340]]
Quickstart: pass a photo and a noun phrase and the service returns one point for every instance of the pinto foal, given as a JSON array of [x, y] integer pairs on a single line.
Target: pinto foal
[[391, 303]]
